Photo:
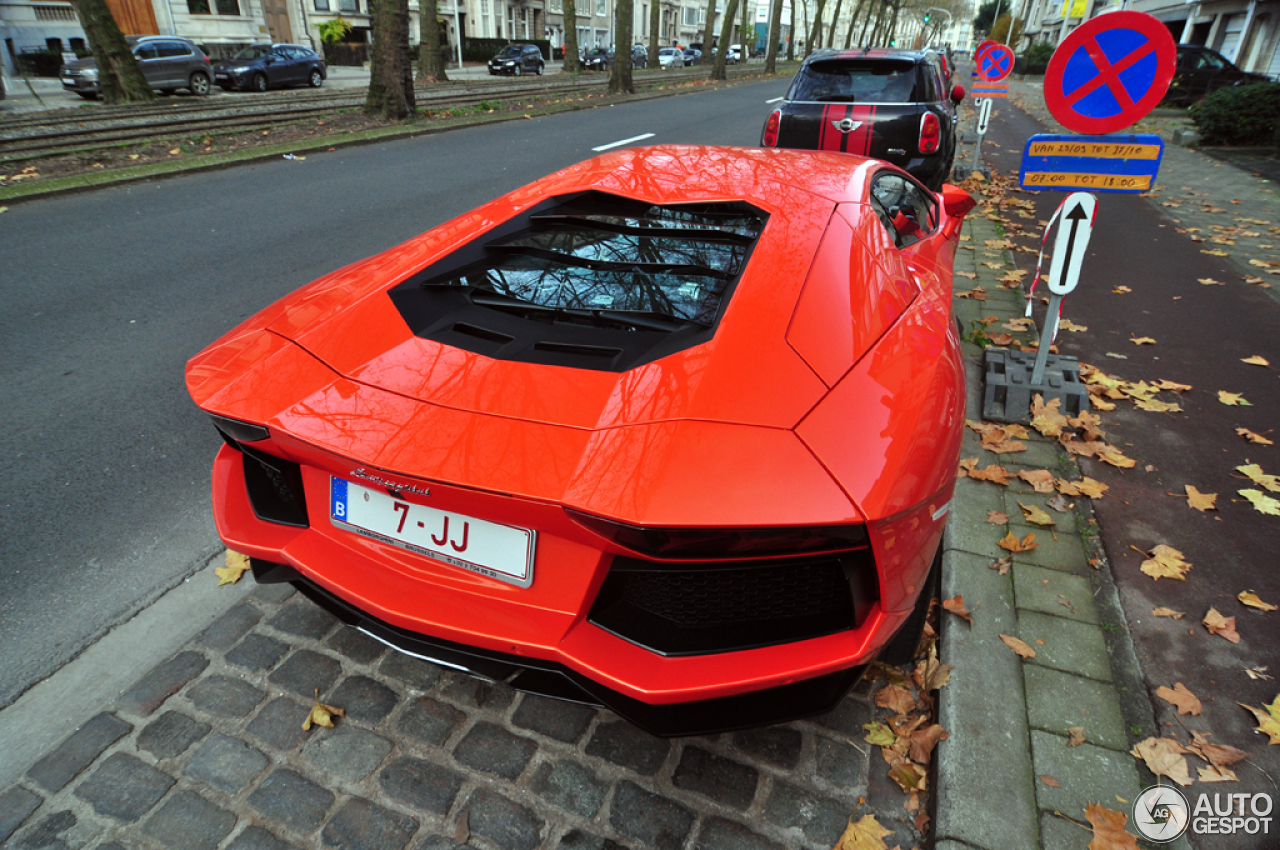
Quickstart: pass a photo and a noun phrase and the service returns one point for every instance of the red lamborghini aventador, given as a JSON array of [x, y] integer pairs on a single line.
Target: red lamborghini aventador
[[672, 431]]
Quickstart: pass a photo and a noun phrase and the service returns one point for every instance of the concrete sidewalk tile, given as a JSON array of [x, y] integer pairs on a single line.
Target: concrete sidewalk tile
[[189, 821], [1070, 646], [973, 501], [1038, 589], [983, 708], [1056, 701], [1060, 834], [1086, 774], [1056, 551], [16, 805], [78, 751]]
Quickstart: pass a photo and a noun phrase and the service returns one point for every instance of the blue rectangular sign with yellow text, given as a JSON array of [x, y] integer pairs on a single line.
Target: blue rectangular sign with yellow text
[[1111, 163]]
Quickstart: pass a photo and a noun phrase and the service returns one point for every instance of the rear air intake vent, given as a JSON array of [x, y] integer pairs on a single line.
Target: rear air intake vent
[[583, 350], [691, 609], [274, 486], [481, 333]]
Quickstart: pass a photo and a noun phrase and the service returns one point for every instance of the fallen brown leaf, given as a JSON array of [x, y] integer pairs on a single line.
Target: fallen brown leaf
[[1075, 736], [1201, 501], [1011, 542], [1003, 566], [1166, 562], [866, 834], [1050, 781], [1269, 720], [1223, 627], [1034, 515], [1254, 438], [895, 698], [236, 565], [1181, 698], [1168, 612], [997, 517], [1164, 757], [321, 714], [956, 606], [1108, 829], [1021, 647], [1248, 597], [1041, 480]]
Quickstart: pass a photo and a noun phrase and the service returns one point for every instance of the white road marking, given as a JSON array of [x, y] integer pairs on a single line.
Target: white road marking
[[623, 142], [775, 100]]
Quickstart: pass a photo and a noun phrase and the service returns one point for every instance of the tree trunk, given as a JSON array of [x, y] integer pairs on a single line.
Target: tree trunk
[[120, 79], [804, 7], [815, 36], [830, 40], [430, 62], [848, 36], [771, 52], [655, 32], [620, 76], [726, 32], [390, 68], [571, 65], [744, 48], [708, 36], [893, 27]]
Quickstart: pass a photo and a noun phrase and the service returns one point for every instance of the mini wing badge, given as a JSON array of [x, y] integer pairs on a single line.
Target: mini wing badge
[[846, 125]]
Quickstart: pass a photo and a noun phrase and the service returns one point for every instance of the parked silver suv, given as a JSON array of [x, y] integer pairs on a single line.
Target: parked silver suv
[[169, 63]]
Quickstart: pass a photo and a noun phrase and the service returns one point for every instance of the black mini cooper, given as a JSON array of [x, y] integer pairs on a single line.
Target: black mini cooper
[[895, 105]]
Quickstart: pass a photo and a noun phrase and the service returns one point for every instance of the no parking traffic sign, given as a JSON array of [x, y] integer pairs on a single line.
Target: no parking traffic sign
[[1110, 72], [995, 62]]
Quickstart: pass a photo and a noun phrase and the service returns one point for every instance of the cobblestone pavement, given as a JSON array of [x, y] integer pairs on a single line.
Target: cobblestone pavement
[[207, 751]]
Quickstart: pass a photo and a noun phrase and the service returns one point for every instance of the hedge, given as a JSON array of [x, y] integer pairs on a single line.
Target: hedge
[[1239, 115]]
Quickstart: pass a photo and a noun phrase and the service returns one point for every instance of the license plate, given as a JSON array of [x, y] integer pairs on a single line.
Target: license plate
[[222, 76], [498, 551], [68, 81]]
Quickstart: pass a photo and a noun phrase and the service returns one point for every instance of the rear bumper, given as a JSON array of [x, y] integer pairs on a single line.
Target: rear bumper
[[702, 717]]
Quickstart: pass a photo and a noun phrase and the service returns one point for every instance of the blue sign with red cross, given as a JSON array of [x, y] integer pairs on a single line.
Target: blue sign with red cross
[[1110, 72], [995, 63]]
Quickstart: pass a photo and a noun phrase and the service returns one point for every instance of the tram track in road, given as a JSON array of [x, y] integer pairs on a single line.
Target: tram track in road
[[31, 137]]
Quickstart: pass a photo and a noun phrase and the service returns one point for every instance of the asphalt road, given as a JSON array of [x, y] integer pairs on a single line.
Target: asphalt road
[[104, 459], [1202, 333]]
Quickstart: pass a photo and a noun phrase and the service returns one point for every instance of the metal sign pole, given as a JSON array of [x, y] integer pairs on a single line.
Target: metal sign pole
[[984, 118], [1046, 339]]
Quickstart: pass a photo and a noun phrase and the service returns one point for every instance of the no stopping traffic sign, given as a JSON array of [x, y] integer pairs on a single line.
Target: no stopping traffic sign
[[995, 62], [1110, 72]]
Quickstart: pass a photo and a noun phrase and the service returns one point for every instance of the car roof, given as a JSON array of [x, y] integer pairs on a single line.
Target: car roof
[[870, 53]]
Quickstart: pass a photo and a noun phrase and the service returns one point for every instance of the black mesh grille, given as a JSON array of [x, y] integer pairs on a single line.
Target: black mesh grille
[[684, 609], [274, 486]]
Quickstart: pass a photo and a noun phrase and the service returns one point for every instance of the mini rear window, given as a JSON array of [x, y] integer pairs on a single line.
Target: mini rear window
[[857, 81]]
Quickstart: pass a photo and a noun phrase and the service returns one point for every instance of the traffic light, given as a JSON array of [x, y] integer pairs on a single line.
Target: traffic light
[[926, 17]]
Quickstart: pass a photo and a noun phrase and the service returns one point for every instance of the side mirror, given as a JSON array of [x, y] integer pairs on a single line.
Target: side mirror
[[957, 94], [956, 201]]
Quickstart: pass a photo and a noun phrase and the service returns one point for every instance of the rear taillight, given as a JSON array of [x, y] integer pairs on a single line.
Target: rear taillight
[[770, 139], [930, 133], [696, 544]]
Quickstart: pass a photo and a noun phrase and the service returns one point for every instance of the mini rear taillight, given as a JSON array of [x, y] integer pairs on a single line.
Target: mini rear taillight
[[698, 544], [930, 133], [770, 139]]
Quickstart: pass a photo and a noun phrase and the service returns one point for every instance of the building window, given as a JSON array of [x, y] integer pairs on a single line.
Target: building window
[[322, 5], [690, 16], [601, 9], [55, 13], [349, 6], [198, 7], [228, 7], [557, 6]]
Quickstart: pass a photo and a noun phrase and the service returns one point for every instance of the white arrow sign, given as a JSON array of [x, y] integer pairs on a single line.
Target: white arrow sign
[[1073, 238], [984, 115]]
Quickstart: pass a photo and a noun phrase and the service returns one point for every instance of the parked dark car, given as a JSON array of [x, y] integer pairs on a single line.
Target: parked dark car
[[168, 63], [692, 56], [1201, 71], [516, 60], [264, 66], [597, 59], [890, 104]]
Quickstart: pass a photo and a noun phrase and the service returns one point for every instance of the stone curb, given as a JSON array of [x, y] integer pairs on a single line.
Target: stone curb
[[1008, 717]]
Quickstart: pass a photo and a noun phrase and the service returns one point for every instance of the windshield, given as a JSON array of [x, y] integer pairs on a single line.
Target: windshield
[[845, 81], [254, 51], [666, 262], [512, 50]]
